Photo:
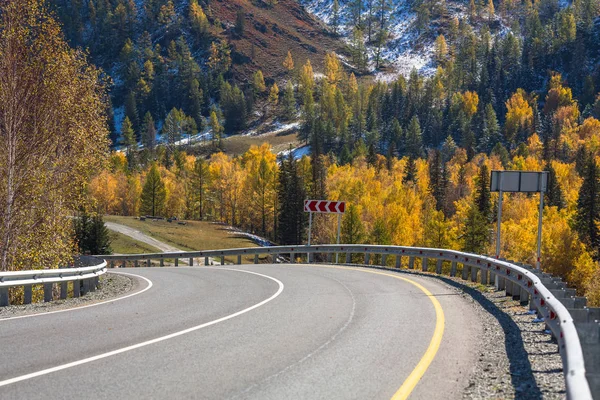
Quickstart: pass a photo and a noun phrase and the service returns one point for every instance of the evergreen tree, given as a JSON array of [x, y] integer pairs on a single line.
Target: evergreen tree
[[587, 217], [153, 193], [91, 235], [149, 133], [291, 196], [554, 195], [438, 180], [414, 143], [476, 232], [240, 22], [410, 171], [335, 18], [129, 142], [491, 130], [289, 102], [482, 193], [352, 227]]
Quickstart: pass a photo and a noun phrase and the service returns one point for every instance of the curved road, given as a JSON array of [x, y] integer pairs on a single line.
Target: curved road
[[253, 332]]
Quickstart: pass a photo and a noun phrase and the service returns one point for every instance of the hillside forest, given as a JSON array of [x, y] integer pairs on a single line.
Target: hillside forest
[[512, 85]]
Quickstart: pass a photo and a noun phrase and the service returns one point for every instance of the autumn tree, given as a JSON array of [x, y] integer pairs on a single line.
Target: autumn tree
[[288, 63], [53, 136], [153, 193]]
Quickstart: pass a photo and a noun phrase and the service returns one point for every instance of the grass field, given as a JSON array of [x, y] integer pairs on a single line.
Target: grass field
[[122, 244], [196, 235]]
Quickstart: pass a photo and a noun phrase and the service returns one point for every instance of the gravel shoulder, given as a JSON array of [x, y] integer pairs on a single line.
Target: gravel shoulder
[[111, 286], [517, 358]]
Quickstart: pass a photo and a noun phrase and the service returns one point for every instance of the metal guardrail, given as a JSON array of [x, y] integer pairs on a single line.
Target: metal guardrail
[[544, 293], [85, 279]]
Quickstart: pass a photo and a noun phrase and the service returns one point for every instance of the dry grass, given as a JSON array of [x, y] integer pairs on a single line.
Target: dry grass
[[123, 244], [236, 145], [195, 235]]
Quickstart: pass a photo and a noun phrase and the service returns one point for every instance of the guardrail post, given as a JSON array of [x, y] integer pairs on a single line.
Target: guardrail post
[[162, 262], [63, 290], [205, 261], [473, 274], [256, 259], [76, 288], [384, 260], [148, 263], [85, 286], [367, 258], [438, 266], [177, 262], [508, 288], [398, 261], [4, 300], [499, 282], [523, 296], [424, 264], [27, 294], [136, 264], [329, 258], [453, 269], [293, 258], [492, 278], [311, 257], [222, 260], [191, 262], [465, 272], [47, 292], [348, 258], [411, 262], [92, 283], [239, 259], [484, 276]]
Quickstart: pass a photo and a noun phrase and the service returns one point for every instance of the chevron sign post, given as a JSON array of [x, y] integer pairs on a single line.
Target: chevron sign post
[[326, 207]]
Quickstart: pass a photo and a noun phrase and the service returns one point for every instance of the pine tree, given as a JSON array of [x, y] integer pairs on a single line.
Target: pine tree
[[352, 227], [289, 102], [587, 217], [335, 18], [291, 195], [149, 133], [380, 234], [476, 233], [482, 193], [217, 129], [129, 142], [91, 235], [491, 130], [410, 171], [153, 193], [438, 180], [240, 22], [554, 195], [414, 143]]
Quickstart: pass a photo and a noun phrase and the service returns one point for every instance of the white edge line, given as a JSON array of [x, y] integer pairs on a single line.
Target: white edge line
[[88, 305], [152, 341]]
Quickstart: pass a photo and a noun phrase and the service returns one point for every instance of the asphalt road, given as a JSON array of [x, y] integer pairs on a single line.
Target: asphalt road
[[257, 332]]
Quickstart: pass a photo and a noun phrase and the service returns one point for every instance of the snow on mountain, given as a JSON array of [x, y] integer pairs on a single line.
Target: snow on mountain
[[399, 54]]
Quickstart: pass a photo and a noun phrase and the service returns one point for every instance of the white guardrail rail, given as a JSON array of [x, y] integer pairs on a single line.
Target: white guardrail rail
[[541, 290], [84, 278]]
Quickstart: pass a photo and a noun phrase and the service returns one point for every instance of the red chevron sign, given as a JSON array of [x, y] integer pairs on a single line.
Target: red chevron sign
[[324, 206]]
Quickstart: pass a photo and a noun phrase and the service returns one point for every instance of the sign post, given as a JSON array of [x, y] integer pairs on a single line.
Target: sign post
[[325, 207], [520, 182]]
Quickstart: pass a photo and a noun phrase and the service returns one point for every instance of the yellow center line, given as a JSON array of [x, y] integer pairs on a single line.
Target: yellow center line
[[415, 376]]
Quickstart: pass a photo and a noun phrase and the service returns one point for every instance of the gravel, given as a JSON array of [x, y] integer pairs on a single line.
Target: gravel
[[517, 357], [110, 286]]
